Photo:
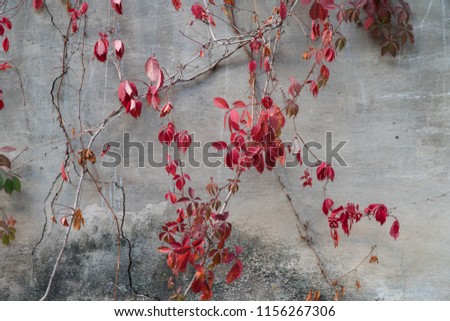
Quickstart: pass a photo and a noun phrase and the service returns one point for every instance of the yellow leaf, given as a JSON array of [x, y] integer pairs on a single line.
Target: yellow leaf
[[78, 219]]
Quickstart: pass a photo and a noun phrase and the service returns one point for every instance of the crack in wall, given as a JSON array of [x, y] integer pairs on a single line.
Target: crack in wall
[[130, 249]]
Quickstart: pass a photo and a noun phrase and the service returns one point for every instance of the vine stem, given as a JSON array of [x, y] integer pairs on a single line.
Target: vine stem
[[75, 206], [66, 239]]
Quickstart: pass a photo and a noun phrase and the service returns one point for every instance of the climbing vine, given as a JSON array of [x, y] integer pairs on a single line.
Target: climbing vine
[[195, 242]]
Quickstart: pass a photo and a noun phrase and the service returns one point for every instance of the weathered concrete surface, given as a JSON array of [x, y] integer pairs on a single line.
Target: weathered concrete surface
[[393, 112]]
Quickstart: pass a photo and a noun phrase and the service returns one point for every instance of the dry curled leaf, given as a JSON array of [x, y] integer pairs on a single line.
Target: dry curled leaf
[[309, 297], [4, 161], [313, 296], [317, 295], [86, 155], [358, 284], [78, 219], [373, 259]]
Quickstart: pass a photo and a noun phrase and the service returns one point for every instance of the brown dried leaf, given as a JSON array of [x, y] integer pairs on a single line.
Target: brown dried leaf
[[4, 161], [373, 259], [78, 219], [86, 155], [309, 297], [358, 284], [317, 295]]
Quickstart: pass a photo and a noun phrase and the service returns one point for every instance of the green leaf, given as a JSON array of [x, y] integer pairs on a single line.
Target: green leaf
[[5, 239], [340, 43], [1, 180], [9, 186], [12, 236], [16, 184]]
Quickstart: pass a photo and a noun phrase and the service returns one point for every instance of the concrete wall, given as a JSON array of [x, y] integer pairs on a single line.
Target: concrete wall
[[393, 113]]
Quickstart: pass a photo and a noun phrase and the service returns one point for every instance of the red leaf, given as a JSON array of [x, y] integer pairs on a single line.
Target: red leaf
[[238, 249], [119, 48], [258, 163], [166, 109], [325, 72], [267, 102], [283, 10], [5, 66], [84, 8], [233, 121], [164, 250], [221, 103], [2, 30], [160, 81], [314, 88], [232, 157], [327, 204], [369, 21], [239, 104], [191, 192], [295, 87], [182, 250], [153, 97], [74, 24], [152, 69], [198, 11], [7, 23], [117, 6], [134, 107], [5, 44], [171, 197], [329, 54], [252, 66], [380, 212], [7, 149], [211, 21], [176, 4], [298, 156], [183, 140], [63, 173], [267, 66], [166, 134], [395, 229], [219, 145], [325, 171], [64, 221], [126, 91], [101, 49], [315, 30], [317, 11], [235, 272], [37, 4]]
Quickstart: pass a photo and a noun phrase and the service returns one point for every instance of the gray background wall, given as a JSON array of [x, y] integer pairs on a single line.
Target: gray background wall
[[393, 112]]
